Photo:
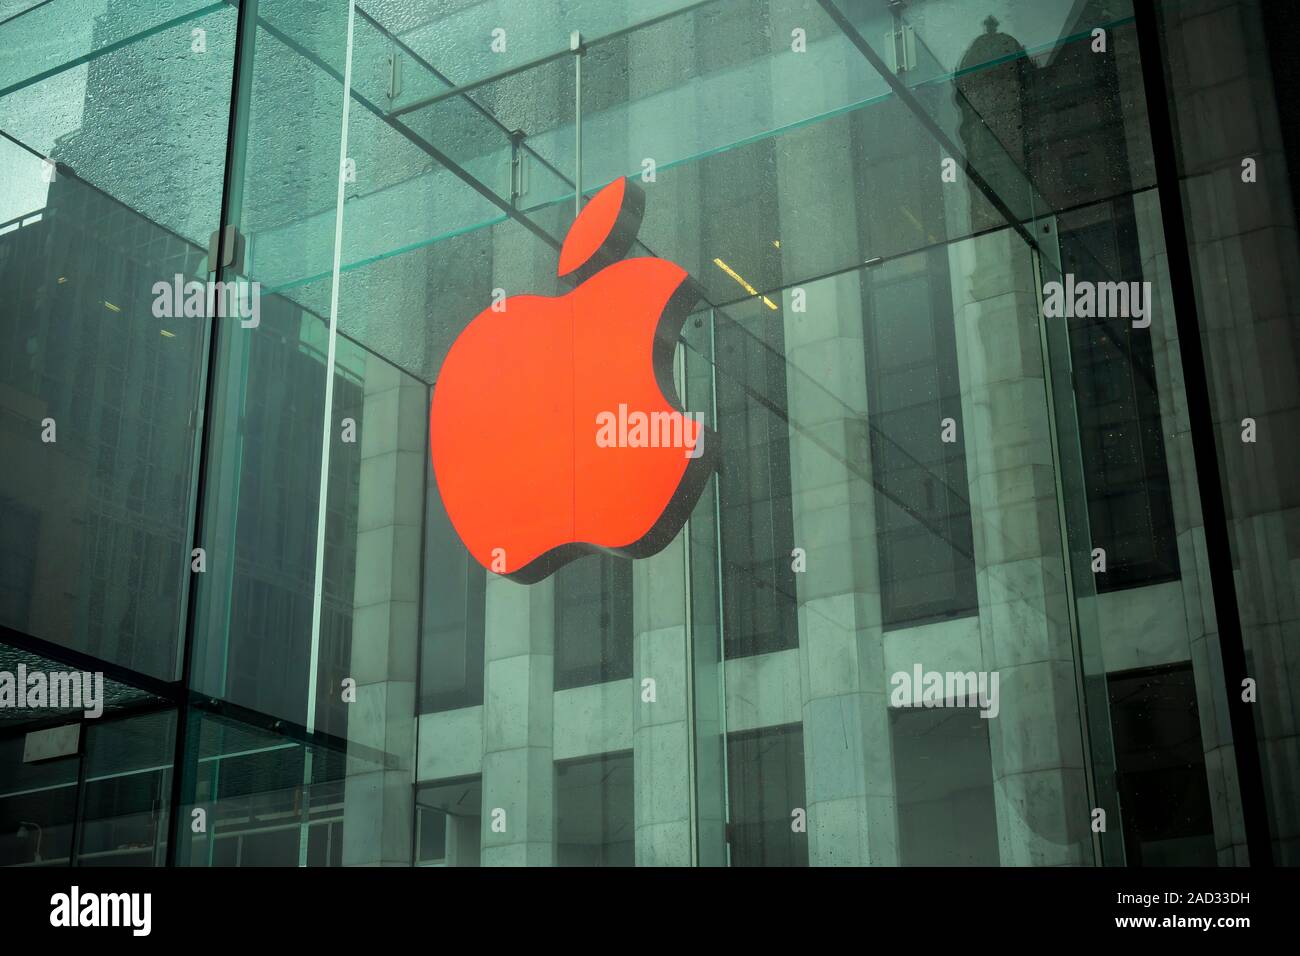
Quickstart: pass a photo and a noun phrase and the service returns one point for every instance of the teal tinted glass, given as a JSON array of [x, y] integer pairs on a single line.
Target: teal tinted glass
[[946, 598]]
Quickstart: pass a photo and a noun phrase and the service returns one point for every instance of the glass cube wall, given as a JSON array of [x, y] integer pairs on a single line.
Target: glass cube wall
[[971, 581]]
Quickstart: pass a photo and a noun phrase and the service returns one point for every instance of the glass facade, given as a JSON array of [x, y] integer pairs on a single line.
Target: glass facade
[[973, 580]]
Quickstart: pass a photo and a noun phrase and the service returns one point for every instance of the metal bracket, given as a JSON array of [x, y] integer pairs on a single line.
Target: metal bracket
[[230, 254], [394, 73], [518, 167], [900, 47]]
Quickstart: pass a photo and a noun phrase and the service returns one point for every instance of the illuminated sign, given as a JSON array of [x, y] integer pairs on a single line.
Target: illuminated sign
[[555, 429]]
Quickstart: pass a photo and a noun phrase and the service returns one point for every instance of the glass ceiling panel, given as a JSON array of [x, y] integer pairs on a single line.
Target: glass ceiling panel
[[728, 125], [460, 43]]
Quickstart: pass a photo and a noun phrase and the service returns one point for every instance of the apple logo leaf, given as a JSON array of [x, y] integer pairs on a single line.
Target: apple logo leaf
[[603, 231]]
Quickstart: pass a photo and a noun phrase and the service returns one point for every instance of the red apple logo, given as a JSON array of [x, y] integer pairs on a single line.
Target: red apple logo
[[533, 390]]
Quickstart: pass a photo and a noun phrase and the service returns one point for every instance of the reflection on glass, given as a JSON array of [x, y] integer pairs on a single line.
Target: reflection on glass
[[95, 512]]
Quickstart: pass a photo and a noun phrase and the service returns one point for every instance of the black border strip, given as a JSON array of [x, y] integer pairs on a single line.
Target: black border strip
[[1218, 546]]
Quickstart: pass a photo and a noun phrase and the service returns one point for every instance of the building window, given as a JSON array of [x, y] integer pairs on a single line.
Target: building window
[[1160, 768], [594, 821], [943, 775], [765, 784], [1121, 436], [759, 602], [593, 621], [923, 522], [455, 599], [449, 823]]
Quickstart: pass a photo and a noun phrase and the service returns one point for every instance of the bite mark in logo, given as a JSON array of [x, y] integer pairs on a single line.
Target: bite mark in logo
[[525, 483]]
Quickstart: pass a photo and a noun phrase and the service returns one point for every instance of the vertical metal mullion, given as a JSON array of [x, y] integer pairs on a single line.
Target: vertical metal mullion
[[231, 198], [80, 805], [575, 44], [327, 429], [688, 649], [426, 467], [718, 585]]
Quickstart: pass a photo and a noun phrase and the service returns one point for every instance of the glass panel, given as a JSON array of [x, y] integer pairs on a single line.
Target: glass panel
[[78, 67], [48, 46], [99, 374], [254, 643], [466, 44], [950, 529]]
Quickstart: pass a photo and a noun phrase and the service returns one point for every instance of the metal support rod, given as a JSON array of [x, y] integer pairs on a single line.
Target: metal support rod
[[78, 823], [575, 44]]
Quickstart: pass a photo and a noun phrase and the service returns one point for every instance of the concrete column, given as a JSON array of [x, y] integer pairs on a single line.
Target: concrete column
[[1246, 257], [1199, 619], [518, 719], [1038, 771], [378, 801], [848, 753], [661, 732]]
